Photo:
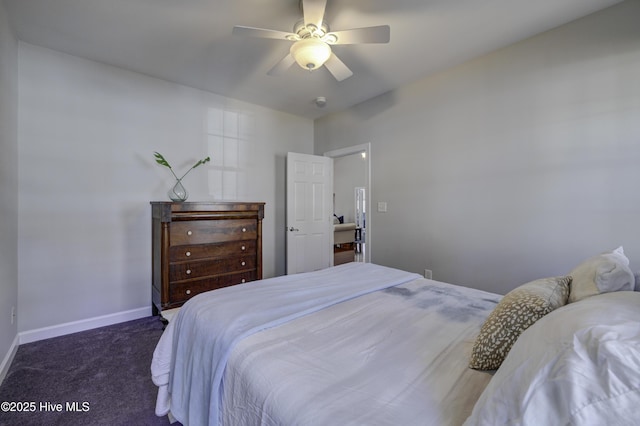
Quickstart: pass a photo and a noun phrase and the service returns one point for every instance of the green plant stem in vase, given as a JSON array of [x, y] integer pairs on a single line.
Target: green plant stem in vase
[[178, 192]]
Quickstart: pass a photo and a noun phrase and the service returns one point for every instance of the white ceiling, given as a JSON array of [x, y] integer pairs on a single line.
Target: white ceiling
[[190, 42]]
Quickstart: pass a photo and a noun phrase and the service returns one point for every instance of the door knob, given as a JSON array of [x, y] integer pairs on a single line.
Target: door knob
[[292, 229]]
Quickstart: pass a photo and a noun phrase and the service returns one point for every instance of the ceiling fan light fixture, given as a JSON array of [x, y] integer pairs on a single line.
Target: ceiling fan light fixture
[[310, 53]]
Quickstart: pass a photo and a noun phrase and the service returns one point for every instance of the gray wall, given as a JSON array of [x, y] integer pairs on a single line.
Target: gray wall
[[8, 185], [349, 173], [513, 166], [87, 133]]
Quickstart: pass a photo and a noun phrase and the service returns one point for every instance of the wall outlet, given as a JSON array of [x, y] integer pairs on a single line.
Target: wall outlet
[[13, 314], [428, 274]]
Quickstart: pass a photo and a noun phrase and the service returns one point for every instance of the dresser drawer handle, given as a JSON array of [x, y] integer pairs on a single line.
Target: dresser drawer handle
[[189, 233], [188, 291], [188, 271], [243, 281], [244, 229], [243, 248], [188, 254], [244, 263]]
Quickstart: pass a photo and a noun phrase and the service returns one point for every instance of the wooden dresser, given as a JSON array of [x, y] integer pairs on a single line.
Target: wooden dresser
[[201, 246]]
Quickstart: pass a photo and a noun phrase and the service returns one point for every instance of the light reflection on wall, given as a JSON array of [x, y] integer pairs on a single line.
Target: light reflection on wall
[[228, 139]]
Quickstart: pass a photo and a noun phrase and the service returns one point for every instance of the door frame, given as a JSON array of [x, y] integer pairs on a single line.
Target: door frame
[[359, 149]]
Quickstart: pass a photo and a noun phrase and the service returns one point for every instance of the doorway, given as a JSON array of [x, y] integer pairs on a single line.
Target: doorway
[[352, 195]]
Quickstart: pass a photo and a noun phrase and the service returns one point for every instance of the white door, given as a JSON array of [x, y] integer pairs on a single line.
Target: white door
[[309, 212]]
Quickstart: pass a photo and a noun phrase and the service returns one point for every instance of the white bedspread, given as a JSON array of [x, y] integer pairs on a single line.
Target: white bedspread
[[394, 357], [192, 353]]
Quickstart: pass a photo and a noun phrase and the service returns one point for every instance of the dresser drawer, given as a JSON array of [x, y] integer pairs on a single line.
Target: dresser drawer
[[212, 231], [208, 251], [182, 291], [206, 267]]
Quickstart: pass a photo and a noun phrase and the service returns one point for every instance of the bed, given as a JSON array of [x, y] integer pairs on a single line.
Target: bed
[[363, 344]]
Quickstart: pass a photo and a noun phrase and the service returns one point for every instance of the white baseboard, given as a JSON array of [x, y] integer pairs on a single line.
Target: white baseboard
[[6, 362], [82, 325]]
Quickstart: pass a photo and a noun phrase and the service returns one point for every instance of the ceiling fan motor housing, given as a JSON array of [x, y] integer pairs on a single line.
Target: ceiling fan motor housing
[[310, 30]]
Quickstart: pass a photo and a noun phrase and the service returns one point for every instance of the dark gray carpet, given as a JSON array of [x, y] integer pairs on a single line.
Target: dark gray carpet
[[105, 372]]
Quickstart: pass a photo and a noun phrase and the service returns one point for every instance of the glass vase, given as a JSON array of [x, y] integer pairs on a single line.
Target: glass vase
[[178, 193]]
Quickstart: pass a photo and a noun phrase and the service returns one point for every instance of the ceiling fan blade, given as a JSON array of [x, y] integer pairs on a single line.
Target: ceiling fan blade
[[313, 11], [336, 67], [263, 33], [379, 34], [282, 66]]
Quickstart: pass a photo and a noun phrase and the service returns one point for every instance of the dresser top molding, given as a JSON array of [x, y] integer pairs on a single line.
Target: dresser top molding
[[167, 211]]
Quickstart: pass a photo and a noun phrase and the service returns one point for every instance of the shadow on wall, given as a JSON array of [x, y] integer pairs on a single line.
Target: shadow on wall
[[279, 210], [374, 106], [136, 251]]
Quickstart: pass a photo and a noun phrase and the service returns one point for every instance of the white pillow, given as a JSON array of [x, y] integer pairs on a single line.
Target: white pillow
[[578, 365], [601, 274]]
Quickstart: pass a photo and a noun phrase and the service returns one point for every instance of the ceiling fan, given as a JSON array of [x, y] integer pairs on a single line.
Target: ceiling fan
[[313, 40]]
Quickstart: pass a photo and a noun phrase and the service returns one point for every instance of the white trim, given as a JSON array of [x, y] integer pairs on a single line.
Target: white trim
[[8, 359], [82, 325], [343, 152], [356, 149]]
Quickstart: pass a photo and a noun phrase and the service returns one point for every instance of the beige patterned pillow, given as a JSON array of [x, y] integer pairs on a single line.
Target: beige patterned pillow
[[516, 312]]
